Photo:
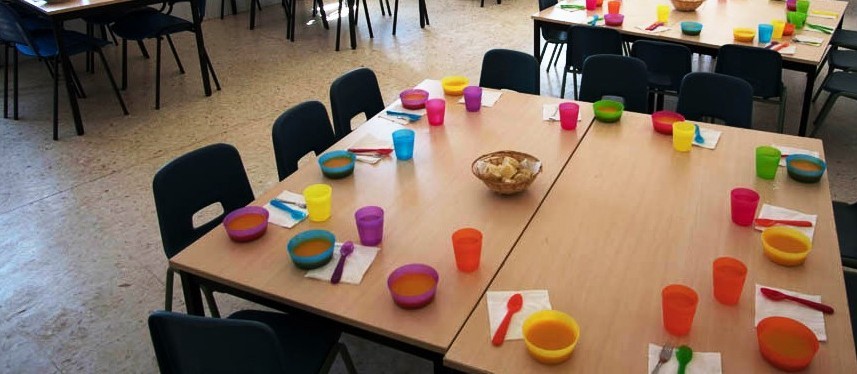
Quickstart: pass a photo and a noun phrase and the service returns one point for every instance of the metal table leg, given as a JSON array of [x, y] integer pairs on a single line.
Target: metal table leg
[[200, 46], [66, 72]]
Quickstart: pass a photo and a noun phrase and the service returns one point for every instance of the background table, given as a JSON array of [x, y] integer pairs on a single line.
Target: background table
[[628, 216]]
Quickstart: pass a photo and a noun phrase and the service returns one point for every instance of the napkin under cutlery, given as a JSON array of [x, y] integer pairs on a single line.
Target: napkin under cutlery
[[534, 301], [710, 136], [281, 218], [489, 97], [356, 264], [810, 317], [775, 212], [550, 112], [702, 362], [793, 151], [371, 141]]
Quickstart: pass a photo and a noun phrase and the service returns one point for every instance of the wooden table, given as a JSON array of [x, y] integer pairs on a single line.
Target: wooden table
[[425, 200], [628, 216], [718, 19], [59, 12]]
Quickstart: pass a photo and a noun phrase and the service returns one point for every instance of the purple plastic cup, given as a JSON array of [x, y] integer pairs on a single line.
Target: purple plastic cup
[[473, 98], [370, 224], [399, 284], [744, 203]]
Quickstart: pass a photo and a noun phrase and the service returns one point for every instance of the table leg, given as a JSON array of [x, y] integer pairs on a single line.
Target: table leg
[[395, 16], [66, 72], [200, 46], [252, 14], [352, 26], [537, 40], [807, 99], [423, 14], [192, 294], [234, 7]]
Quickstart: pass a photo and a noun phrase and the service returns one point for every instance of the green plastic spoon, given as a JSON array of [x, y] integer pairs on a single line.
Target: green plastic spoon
[[683, 354]]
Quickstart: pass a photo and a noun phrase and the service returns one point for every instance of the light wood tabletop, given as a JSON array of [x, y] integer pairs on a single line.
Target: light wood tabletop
[[718, 18], [425, 201], [628, 216], [54, 8]]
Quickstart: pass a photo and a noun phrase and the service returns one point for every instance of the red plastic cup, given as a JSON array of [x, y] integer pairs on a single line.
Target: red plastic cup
[[568, 115], [679, 307], [613, 7], [729, 274], [467, 244], [435, 109], [744, 203], [591, 4], [370, 224]]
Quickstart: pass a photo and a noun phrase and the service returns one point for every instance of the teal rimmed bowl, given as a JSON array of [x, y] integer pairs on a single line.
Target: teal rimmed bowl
[[805, 168], [337, 171], [316, 260]]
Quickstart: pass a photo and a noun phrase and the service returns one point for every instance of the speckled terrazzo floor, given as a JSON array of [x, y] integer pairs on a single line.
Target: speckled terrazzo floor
[[80, 254]]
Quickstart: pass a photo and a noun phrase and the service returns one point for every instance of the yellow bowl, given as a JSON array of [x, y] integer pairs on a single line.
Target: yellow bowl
[[550, 336], [454, 85], [785, 245], [744, 34]]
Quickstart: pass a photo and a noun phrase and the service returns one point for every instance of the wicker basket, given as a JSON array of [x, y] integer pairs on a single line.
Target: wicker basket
[[501, 187], [686, 5]]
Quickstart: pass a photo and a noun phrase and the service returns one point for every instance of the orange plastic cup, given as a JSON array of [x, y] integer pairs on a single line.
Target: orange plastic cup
[[729, 275], [613, 6], [679, 307], [467, 244]]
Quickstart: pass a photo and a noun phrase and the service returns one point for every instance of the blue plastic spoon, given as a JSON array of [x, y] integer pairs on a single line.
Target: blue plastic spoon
[[295, 214], [697, 137]]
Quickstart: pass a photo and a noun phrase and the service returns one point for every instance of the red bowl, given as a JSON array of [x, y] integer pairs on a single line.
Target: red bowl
[[663, 120], [246, 224], [785, 343], [414, 98]]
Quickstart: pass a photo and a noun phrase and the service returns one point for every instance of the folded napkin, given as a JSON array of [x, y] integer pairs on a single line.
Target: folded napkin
[[394, 119], [790, 50], [550, 112], [659, 29], [489, 97], [702, 362], [370, 141], [282, 218], [810, 317], [809, 40], [355, 265], [710, 136], [534, 301], [793, 151], [775, 212], [822, 14]]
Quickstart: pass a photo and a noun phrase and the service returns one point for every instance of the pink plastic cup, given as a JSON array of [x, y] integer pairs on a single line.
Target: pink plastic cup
[[744, 203], [591, 4], [473, 98], [568, 115], [435, 109]]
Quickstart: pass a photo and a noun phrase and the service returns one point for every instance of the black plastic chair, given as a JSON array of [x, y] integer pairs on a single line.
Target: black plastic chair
[[851, 293], [667, 64], [353, 93], [762, 68], [837, 84], [716, 96], [150, 23], [845, 216], [302, 129], [209, 175], [513, 70], [844, 39], [585, 41], [838, 60], [249, 341], [41, 44], [552, 34], [30, 22], [610, 75]]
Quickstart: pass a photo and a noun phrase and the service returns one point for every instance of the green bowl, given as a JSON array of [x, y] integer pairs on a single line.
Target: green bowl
[[608, 110]]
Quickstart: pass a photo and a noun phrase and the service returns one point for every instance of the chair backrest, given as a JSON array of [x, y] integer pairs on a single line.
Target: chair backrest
[[200, 6], [667, 62], [716, 95], [11, 29], [514, 70], [192, 344], [762, 68], [616, 76], [353, 93], [585, 41], [550, 30], [184, 186], [544, 4], [299, 130]]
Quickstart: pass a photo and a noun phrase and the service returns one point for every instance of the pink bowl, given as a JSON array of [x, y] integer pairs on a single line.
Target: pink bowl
[[414, 98], [412, 301], [663, 120], [246, 224], [614, 19]]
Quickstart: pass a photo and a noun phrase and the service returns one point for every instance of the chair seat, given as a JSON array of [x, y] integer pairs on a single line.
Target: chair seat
[[842, 82], [45, 42], [843, 60], [149, 23], [33, 23], [305, 355], [555, 36], [845, 216], [845, 39], [662, 82]]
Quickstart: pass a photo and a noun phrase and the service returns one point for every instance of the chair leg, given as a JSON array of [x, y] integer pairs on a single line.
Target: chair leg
[[6, 80], [222, 3], [338, 24], [56, 98], [143, 50], [541, 55], [213, 74], [212, 305], [368, 21], [90, 32], [258, 4], [77, 84], [175, 54], [158, 73], [323, 15], [482, 4], [389, 12], [659, 102], [113, 36], [574, 79], [564, 77], [124, 64], [15, 84], [558, 53], [168, 293], [781, 118], [818, 92], [823, 114], [112, 80], [554, 56], [346, 358]]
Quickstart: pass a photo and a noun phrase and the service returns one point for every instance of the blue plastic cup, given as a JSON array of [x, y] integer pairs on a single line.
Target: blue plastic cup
[[765, 33], [403, 143]]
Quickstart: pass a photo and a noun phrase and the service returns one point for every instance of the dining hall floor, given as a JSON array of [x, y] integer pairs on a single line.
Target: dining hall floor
[[81, 260]]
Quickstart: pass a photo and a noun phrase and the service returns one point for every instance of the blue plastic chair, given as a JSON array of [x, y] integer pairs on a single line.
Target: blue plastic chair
[[552, 34], [353, 93], [667, 64], [705, 96], [585, 41], [838, 84], [31, 22], [299, 130], [610, 75], [150, 23], [513, 70], [762, 68], [41, 44]]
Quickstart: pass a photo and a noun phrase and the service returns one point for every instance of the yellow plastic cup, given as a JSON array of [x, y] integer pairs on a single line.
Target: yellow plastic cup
[[318, 201], [683, 132], [663, 13], [779, 25]]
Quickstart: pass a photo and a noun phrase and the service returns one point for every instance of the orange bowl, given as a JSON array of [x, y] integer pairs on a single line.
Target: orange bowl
[[785, 343]]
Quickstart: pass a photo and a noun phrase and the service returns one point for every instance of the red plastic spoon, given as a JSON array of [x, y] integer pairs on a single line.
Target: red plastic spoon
[[766, 222], [777, 296], [512, 306], [381, 151]]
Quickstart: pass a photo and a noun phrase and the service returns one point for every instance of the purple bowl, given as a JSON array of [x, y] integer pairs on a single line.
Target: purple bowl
[[614, 19], [414, 98], [240, 225], [413, 301]]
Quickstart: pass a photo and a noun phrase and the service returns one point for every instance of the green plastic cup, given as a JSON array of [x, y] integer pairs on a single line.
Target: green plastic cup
[[799, 20], [767, 162], [803, 6]]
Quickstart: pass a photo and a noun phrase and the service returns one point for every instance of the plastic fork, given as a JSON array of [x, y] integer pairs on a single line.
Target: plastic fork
[[665, 355]]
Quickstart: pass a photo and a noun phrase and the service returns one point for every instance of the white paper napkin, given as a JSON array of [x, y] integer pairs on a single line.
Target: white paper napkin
[[282, 218], [370, 141], [489, 97], [790, 50], [355, 267], [810, 317], [550, 112], [534, 301], [793, 151], [806, 39], [775, 212], [659, 29], [710, 136], [702, 362]]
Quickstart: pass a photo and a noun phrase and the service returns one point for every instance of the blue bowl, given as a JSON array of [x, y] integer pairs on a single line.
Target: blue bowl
[[316, 261], [691, 28], [337, 172], [805, 168]]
